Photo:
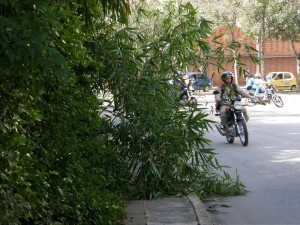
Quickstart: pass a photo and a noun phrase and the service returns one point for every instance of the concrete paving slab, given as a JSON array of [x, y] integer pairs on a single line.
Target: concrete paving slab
[[173, 223], [170, 210], [186, 210], [135, 213]]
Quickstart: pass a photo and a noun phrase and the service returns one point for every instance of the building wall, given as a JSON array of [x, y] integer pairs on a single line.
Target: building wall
[[288, 64], [278, 56]]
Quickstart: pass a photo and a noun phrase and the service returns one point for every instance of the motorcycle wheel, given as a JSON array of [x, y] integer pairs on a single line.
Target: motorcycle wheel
[[230, 139], [194, 101], [277, 100], [243, 132], [183, 99]]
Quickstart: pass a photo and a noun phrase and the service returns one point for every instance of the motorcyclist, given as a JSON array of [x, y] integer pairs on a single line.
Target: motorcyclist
[[260, 86], [226, 92], [183, 96], [251, 83]]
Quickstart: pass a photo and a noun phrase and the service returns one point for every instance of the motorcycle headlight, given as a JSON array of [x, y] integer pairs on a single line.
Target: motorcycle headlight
[[237, 105]]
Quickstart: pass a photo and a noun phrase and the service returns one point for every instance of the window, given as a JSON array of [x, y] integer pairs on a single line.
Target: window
[[279, 77], [287, 76], [271, 76]]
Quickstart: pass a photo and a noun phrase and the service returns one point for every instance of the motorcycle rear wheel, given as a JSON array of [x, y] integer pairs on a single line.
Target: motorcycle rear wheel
[[194, 101], [243, 132], [184, 98], [229, 136], [230, 139], [277, 100]]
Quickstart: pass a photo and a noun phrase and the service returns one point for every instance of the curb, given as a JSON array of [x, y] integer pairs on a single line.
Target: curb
[[203, 216]]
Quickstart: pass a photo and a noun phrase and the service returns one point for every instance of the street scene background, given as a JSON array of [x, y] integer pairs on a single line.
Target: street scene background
[[269, 166]]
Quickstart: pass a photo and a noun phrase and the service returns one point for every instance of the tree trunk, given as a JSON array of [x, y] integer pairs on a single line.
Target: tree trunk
[[297, 54], [234, 51], [258, 47], [262, 40]]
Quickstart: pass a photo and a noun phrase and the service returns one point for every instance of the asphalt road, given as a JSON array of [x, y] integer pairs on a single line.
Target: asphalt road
[[269, 167]]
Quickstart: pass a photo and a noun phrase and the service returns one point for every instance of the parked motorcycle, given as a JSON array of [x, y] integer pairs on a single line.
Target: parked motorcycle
[[271, 97], [185, 95], [236, 125]]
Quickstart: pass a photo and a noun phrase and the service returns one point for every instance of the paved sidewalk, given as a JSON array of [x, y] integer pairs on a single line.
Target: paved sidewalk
[[187, 210]]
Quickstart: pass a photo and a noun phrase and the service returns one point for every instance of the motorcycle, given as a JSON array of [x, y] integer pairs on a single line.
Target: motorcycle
[[271, 97], [187, 97], [185, 94], [236, 125]]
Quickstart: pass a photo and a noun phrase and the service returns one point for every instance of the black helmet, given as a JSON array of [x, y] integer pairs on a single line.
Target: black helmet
[[225, 75]]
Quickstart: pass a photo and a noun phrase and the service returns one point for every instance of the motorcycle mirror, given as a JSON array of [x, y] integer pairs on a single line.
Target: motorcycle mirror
[[216, 92]]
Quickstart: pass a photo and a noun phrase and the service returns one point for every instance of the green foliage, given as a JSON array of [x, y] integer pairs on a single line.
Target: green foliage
[[280, 19], [285, 22], [55, 164], [60, 162], [163, 145], [219, 184]]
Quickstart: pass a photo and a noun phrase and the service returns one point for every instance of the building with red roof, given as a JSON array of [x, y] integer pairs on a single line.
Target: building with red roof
[[278, 55]]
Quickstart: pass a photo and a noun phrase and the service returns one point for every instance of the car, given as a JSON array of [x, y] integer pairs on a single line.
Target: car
[[199, 81], [282, 80]]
